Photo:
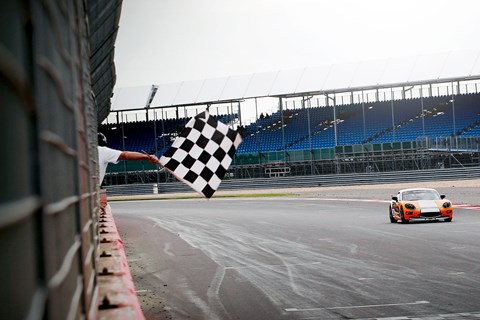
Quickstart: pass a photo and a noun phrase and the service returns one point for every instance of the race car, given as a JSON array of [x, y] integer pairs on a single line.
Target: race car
[[419, 204]]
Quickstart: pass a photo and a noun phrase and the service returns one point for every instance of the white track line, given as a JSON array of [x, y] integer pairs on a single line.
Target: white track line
[[356, 307]]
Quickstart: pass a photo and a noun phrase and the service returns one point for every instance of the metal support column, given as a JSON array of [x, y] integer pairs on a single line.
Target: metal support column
[[335, 120], [239, 113], [256, 132], [163, 139], [364, 124], [309, 123], [453, 112], [283, 129], [309, 133], [123, 147], [393, 121], [156, 143], [229, 112], [423, 113]]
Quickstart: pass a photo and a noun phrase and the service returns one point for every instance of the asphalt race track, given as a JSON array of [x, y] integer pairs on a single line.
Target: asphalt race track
[[298, 258]]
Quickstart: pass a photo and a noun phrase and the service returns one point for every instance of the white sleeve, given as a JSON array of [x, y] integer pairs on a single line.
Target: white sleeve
[[107, 155]]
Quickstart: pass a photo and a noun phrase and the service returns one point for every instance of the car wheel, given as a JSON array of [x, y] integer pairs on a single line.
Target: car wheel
[[402, 216], [448, 220], [392, 219]]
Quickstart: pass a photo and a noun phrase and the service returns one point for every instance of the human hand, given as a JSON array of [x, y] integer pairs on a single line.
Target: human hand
[[152, 158]]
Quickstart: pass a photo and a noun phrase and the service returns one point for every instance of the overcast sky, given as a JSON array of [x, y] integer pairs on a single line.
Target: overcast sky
[[164, 41]]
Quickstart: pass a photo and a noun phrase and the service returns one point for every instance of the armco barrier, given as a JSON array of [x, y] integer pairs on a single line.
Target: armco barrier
[[308, 181]]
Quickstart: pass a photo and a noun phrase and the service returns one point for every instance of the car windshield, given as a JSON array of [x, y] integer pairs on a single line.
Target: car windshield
[[420, 195]]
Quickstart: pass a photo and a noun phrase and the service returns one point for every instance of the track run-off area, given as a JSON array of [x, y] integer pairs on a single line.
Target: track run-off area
[[298, 258]]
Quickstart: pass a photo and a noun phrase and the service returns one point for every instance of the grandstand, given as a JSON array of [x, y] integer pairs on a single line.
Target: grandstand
[[411, 124]]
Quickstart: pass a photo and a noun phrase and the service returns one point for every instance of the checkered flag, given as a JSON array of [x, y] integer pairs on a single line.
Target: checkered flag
[[202, 153]]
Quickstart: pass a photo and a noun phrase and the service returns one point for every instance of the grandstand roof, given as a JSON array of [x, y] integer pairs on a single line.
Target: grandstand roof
[[392, 72], [103, 19]]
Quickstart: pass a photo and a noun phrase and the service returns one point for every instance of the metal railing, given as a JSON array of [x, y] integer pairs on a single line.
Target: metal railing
[[307, 181]]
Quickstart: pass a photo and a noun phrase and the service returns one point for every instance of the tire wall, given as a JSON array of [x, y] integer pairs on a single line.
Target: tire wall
[[49, 174]]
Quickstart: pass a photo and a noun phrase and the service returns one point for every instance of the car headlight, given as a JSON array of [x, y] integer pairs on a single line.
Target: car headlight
[[409, 206], [446, 205]]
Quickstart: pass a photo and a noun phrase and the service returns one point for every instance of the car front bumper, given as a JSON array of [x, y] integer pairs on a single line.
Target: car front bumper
[[437, 218], [418, 215]]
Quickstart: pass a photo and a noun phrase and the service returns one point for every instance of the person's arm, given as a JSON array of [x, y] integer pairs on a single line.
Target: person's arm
[[131, 155]]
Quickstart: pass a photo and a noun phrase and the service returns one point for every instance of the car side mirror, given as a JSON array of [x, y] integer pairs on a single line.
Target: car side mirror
[[442, 196], [396, 199]]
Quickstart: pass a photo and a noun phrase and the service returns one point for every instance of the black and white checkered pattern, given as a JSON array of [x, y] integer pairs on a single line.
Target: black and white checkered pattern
[[202, 153]]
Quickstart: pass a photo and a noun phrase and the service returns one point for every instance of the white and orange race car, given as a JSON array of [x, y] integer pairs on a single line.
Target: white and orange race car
[[419, 204]]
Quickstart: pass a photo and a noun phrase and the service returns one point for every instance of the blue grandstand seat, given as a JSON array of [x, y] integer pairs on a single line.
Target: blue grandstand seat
[[265, 135]]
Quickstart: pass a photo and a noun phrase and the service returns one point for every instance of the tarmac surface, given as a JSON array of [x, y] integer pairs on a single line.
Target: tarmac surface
[[311, 255]]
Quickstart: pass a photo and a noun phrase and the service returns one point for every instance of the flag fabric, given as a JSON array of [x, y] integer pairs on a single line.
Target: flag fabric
[[201, 155]]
